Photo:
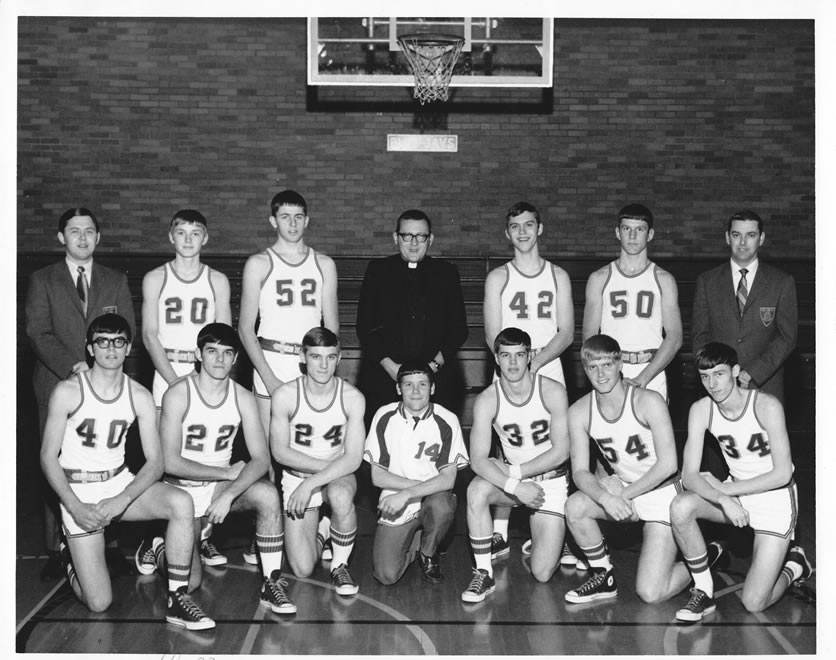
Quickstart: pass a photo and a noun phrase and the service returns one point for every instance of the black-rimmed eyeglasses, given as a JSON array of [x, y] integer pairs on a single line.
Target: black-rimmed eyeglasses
[[408, 238]]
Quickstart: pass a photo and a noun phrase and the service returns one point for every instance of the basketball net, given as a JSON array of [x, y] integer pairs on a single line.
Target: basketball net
[[432, 58]]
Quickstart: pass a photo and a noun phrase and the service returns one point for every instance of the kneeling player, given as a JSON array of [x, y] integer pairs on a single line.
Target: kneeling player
[[632, 429], [760, 492], [201, 414], [415, 448], [83, 458], [317, 434], [529, 415]]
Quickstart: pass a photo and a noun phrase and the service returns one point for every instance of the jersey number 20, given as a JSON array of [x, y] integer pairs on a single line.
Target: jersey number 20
[[174, 311]]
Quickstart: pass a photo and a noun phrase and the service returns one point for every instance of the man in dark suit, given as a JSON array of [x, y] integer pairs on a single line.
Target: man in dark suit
[[750, 306], [62, 299], [411, 308]]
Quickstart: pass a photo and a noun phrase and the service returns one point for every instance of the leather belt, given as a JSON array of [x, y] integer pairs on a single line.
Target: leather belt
[[174, 355], [85, 477], [177, 481], [287, 347], [559, 471], [638, 357]]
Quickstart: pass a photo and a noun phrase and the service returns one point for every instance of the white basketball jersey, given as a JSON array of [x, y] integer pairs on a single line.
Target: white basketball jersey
[[524, 428], [183, 308], [625, 442], [318, 433], [208, 431], [632, 309], [94, 436], [529, 302], [290, 302], [744, 441]]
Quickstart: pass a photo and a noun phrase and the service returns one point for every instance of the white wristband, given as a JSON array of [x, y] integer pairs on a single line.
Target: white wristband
[[511, 485], [515, 470]]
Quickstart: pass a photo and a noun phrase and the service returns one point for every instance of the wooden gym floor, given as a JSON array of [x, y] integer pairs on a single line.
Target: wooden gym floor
[[413, 617]]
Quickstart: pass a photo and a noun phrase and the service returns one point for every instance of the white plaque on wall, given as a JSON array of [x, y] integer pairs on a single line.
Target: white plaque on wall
[[422, 143]]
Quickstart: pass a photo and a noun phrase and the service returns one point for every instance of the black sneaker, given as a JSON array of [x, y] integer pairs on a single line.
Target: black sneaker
[[273, 596], [599, 586], [145, 559], [481, 585], [796, 555], [209, 554], [342, 581], [184, 612], [499, 546], [430, 567], [251, 553], [699, 604]]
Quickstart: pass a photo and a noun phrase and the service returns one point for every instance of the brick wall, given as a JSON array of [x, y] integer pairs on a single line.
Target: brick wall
[[138, 117]]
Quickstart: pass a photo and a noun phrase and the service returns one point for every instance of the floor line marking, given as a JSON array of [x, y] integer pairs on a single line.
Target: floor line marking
[[37, 607]]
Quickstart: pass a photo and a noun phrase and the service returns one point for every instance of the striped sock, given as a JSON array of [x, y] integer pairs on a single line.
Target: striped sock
[[271, 550], [597, 556], [342, 544], [178, 576], [698, 566], [481, 547]]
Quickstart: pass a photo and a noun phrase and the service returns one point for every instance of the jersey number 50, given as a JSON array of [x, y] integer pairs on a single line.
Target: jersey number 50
[[621, 308]]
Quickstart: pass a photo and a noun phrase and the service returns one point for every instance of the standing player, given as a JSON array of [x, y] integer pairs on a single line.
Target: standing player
[[178, 299], [317, 434], [633, 431], [634, 301], [760, 492], [529, 414], [289, 288], [83, 458], [415, 448], [201, 415], [534, 295]]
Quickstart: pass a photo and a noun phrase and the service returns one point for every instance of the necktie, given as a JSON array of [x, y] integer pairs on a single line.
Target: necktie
[[81, 287], [742, 290]]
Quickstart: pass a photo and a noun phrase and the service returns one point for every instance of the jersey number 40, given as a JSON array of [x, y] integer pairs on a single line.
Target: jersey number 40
[[115, 435]]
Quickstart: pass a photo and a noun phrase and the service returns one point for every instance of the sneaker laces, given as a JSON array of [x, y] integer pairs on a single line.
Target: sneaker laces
[[696, 598], [277, 588], [191, 608], [342, 577], [477, 581], [592, 583], [148, 556], [209, 548]]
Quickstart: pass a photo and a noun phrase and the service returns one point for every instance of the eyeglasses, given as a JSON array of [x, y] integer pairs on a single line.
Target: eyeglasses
[[408, 238], [107, 342]]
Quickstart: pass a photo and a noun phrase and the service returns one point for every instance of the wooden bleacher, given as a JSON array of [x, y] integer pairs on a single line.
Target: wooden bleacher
[[474, 357]]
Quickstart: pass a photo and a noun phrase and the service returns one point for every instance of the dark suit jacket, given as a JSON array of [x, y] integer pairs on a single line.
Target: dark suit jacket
[[56, 325], [381, 315], [766, 333]]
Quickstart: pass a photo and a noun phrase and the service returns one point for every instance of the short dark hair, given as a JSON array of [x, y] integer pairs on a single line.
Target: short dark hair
[[512, 337], [319, 336], [715, 353], [522, 207], [110, 324], [412, 367], [69, 214], [414, 214], [218, 333], [744, 215], [635, 212], [598, 346], [189, 216], [287, 198]]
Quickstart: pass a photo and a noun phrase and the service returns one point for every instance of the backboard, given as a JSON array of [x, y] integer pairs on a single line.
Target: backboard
[[498, 52]]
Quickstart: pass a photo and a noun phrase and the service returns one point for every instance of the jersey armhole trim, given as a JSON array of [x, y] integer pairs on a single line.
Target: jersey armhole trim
[[80, 379]]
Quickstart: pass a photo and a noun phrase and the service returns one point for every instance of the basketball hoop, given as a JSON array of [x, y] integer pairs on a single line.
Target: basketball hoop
[[432, 58]]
